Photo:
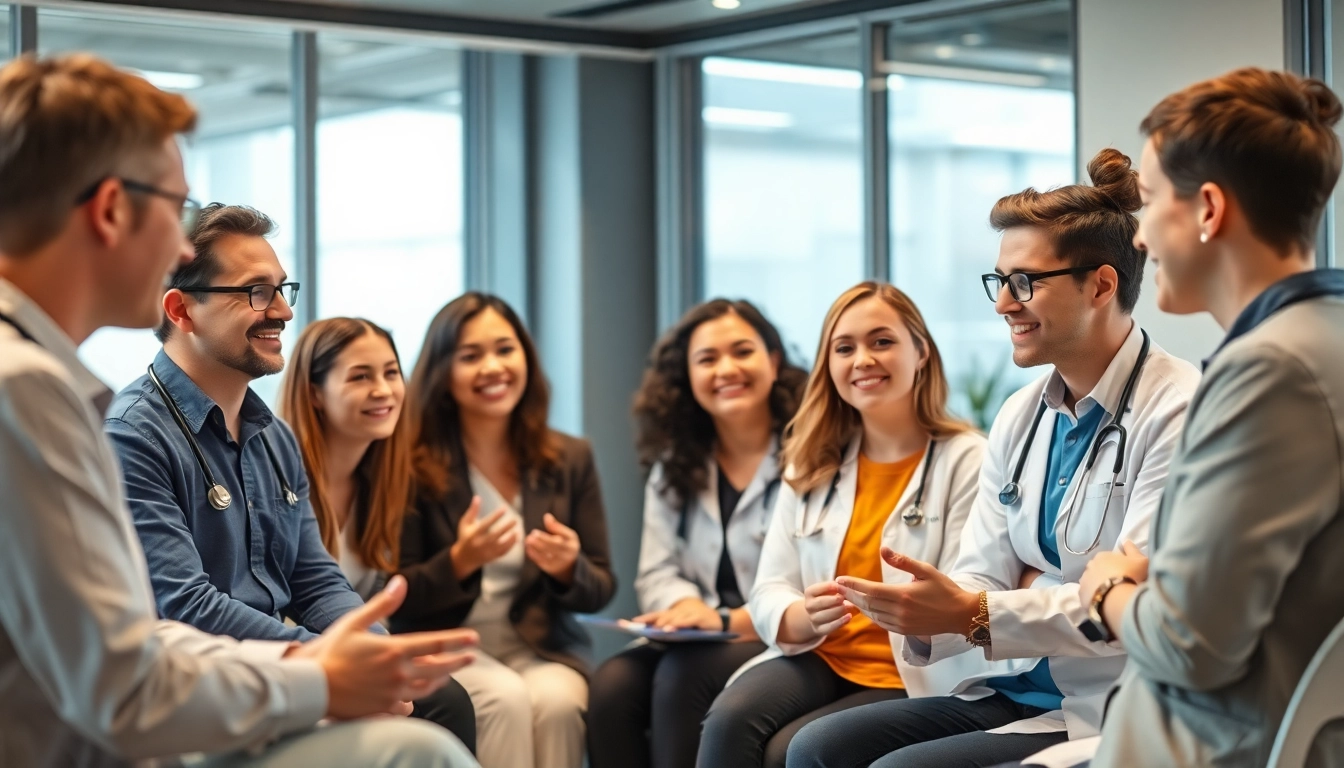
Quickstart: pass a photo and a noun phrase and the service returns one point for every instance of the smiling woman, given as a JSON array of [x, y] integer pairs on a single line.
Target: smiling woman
[[507, 534]]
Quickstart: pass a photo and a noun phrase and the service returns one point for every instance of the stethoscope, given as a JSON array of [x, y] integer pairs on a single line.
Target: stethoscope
[[912, 516], [219, 496], [1012, 491], [770, 494]]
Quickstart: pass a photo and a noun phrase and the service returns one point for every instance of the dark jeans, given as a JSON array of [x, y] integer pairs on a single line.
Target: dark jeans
[[935, 732], [753, 720], [645, 705], [450, 707]]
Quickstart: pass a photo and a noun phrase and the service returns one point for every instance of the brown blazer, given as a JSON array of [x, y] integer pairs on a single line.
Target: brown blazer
[[542, 608]]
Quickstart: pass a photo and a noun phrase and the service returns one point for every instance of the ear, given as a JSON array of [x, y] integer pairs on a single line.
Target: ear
[[175, 309], [108, 213], [1108, 284], [1211, 205]]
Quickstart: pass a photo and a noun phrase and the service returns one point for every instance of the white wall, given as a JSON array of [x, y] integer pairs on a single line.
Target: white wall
[[1131, 53]]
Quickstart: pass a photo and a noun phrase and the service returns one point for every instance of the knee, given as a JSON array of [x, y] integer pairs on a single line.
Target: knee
[[408, 743], [807, 748], [613, 687], [505, 702], [559, 706], [728, 713]]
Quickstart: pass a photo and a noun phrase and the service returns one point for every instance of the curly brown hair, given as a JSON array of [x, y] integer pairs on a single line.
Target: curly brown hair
[[673, 429]]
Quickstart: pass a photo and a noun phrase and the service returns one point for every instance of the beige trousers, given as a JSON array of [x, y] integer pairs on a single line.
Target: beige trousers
[[378, 742], [529, 711]]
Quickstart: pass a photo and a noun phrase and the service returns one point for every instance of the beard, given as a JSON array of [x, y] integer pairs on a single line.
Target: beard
[[248, 360]]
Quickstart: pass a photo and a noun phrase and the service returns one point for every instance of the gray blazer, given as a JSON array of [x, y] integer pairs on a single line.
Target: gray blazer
[[1247, 572]]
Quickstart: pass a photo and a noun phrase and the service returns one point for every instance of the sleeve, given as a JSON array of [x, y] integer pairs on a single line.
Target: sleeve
[[593, 584], [1252, 491], [965, 485], [182, 589], [78, 611], [433, 591], [661, 583], [1027, 623], [319, 591], [779, 577]]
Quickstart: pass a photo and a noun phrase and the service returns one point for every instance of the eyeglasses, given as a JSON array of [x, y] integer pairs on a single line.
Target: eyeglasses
[[1020, 283], [259, 296], [190, 209]]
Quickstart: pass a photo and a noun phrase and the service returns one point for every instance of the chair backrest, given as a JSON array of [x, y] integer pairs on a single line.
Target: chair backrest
[[1316, 702]]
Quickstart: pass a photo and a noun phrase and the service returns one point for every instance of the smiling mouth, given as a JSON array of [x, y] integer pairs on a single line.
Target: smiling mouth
[[1019, 329], [731, 389], [494, 389], [379, 412], [869, 382]]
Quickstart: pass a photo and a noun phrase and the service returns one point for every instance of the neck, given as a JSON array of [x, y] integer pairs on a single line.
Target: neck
[[226, 386], [744, 436], [67, 295], [1082, 373], [486, 441], [342, 459], [1246, 274], [892, 435]]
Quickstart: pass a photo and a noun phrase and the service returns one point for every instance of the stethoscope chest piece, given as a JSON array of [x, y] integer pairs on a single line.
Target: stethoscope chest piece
[[913, 516], [1010, 495], [219, 497]]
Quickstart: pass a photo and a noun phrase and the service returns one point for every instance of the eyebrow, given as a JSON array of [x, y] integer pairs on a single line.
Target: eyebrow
[[474, 345], [260, 279], [703, 350]]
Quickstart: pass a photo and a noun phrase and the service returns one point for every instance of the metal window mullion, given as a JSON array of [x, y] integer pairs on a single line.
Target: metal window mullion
[[680, 142], [22, 29], [876, 153], [476, 171], [304, 76]]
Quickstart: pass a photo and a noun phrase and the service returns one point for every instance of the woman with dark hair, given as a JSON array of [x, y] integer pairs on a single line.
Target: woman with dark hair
[[507, 535], [342, 395], [716, 396]]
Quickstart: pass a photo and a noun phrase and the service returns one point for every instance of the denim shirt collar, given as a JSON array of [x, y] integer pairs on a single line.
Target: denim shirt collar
[[1290, 290], [197, 406]]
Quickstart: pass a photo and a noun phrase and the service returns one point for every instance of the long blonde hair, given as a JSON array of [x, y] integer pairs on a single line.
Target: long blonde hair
[[816, 439], [383, 477]]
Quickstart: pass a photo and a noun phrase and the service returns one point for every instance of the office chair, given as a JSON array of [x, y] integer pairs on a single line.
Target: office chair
[[1315, 703]]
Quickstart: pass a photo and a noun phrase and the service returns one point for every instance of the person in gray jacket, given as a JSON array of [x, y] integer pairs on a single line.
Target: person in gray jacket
[[1246, 578]]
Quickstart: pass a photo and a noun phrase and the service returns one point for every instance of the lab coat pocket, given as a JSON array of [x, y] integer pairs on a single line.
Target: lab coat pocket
[[1101, 516]]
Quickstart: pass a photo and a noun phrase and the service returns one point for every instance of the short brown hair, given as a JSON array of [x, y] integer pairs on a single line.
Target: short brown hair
[[217, 220], [1087, 224], [65, 124], [1266, 137]]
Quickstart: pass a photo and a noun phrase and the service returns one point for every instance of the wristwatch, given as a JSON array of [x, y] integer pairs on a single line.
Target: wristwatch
[[1095, 628], [978, 634], [726, 616]]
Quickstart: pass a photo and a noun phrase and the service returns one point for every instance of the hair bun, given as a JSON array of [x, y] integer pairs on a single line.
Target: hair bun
[[1113, 175], [1321, 101]]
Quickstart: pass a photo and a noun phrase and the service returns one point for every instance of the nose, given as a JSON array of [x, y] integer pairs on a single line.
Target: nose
[[725, 367], [1006, 302], [491, 364], [1139, 244], [186, 252], [280, 309], [864, 358]]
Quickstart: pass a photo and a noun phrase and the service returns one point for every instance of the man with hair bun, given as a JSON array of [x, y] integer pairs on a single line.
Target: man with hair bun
[[1246, 578], [1075, 468]]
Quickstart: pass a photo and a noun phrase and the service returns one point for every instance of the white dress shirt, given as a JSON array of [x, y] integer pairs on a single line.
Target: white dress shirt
[[89, 676]]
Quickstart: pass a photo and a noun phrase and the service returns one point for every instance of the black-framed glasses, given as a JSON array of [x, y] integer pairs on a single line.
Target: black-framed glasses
[[190, 208], [1020, 283], [259, 296]]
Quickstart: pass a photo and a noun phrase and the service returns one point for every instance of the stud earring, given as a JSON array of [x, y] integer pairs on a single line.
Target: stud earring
[[1203, 237]]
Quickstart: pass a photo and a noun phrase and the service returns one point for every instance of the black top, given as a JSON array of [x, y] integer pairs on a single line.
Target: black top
[[730, 596]]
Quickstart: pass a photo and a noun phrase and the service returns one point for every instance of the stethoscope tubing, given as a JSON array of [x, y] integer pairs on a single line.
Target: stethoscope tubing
[[913, 515]]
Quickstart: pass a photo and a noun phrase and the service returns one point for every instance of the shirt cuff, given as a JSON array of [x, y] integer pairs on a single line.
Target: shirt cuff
[[307, 686], [259, 651]]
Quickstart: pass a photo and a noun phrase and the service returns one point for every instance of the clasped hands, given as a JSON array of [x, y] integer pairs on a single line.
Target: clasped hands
[[931, 604], [482, 540]]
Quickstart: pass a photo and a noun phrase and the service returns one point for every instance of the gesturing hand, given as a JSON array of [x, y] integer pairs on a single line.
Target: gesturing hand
[[932, 604], [481, 540], [370, 674], [554, 550], [826, 607]]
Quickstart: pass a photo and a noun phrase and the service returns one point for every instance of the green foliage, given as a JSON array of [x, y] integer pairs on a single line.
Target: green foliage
[[985, 390]]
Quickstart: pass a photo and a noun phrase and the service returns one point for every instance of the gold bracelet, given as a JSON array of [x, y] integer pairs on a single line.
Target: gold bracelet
[[978, 634]]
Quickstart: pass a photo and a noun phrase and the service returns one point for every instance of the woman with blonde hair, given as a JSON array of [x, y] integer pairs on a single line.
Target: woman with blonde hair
[[875, 466], [343, 395]]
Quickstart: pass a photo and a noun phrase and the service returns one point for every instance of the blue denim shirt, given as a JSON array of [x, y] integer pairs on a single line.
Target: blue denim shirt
[[234, 572]]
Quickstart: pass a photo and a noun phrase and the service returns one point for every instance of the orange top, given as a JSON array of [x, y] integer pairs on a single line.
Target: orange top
[[860, 651]]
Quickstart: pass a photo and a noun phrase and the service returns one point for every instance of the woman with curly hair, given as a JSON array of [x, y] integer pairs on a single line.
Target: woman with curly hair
[[714, 401]]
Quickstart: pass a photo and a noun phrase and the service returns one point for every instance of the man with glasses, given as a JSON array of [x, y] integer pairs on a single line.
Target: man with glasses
[[1075, 466], [91, 192]]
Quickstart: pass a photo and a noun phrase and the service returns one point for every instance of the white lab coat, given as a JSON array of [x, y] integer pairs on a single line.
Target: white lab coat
[[672, 568], [1042, 621], [804, 543]]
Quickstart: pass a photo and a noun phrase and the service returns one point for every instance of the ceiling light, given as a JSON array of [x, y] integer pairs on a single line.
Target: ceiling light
[[753, 119], [747, 69], [945, 51], [172, 81], [726, 5], [972, 38]]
